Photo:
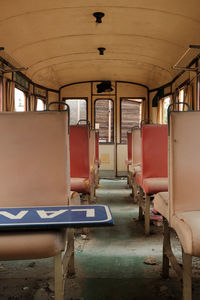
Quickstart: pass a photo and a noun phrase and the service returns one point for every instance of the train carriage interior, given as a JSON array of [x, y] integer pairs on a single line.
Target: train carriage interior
[[100, 107]]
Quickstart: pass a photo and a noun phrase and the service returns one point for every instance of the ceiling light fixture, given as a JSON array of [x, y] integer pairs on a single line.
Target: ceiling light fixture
[[98, 15], [101, 50]]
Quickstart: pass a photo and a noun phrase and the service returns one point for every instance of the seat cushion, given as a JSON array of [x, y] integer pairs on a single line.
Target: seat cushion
[[31, 244], [161, 201], [187, 227], [80, 185], [155, 185]]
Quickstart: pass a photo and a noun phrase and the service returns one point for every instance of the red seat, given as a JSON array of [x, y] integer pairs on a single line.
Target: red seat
[[154, 158], [79, 158], [154, 176]]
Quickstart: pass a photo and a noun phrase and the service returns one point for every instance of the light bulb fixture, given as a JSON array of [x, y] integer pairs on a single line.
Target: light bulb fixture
[[98, 15], [101, 50]]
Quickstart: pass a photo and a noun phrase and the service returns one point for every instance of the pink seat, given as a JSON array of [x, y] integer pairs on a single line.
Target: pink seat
[[80, 185], [161, 204]]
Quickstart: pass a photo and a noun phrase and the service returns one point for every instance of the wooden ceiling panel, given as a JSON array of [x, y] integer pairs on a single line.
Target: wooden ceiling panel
[[55, 38]]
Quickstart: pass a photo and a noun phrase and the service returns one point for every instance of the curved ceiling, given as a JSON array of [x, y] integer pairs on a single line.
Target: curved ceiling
[[57, 40]]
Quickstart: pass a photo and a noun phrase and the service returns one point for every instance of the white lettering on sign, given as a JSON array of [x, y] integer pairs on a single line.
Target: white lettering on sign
[[90, 212], [19, 216], [44, 214]]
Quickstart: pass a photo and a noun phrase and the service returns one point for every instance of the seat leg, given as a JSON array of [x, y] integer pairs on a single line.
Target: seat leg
[[147, 215], [187, 276], [166, 243], [135, 200], [71, 264], [140, 204], [58, 277]]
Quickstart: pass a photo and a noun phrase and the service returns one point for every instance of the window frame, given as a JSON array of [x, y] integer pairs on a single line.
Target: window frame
[[113, 122], [162, 100], [128, 99], [78, 98]]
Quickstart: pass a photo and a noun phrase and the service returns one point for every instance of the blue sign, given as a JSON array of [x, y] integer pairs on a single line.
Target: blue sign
[[56, 216]]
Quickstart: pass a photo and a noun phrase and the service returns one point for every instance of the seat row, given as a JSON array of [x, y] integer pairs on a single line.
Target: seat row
[[84, 160], [148, 166], [178, 147], [35, 172]]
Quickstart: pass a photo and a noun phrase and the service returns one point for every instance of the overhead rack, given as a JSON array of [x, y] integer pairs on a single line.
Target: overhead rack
[[8, 64], [184, 63]]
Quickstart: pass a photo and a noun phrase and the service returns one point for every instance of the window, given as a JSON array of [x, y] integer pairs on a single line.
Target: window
[[104, 120], [78, 110], [41, 105], [40, 91], [21, 80], [166, 103], [162, 109], [131, 110], [20, 100]]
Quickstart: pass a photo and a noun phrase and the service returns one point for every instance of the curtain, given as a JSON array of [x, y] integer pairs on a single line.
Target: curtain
[[32, 106], [4, 93], [188, 96], [10, 89], [144, 110]]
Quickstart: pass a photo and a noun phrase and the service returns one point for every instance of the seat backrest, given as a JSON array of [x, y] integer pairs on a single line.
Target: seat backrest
[[136, 147], [184, 159], [154, 151], [34, 159], [97, 146], [129, 145], [79, 151]]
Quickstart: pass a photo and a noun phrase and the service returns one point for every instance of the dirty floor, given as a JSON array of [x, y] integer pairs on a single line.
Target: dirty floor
[[109, 261]]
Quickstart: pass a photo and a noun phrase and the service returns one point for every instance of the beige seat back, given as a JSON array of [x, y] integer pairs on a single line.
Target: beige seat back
[[184, 162], [136, 147], [34, 159]]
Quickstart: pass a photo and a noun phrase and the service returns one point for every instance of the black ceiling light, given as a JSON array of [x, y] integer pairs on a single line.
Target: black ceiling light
[[101, 50], [104, 86], [98, 15]]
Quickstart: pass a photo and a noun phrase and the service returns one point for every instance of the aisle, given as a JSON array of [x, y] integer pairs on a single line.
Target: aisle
[[110, 263]]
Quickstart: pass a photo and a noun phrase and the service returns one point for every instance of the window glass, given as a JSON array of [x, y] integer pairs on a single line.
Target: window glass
[[166, 103], [130, 116], [78, 110], [104, 120], [41, 105], [20, 99]]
